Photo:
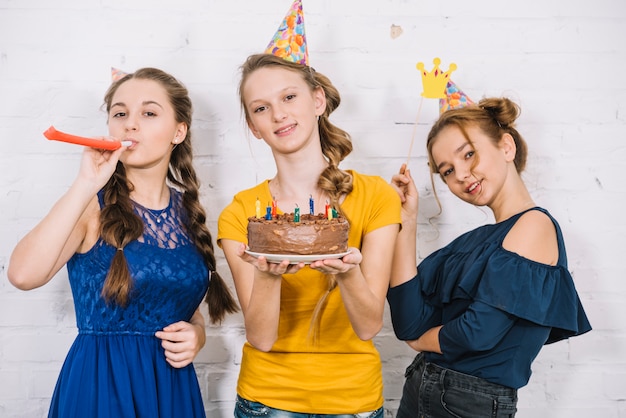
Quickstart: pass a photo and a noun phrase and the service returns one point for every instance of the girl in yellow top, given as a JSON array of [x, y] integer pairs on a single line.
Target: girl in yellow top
[[309, 328]]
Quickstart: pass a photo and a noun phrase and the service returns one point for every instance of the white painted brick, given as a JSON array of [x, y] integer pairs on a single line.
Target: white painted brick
[[19, 384], [599, 349], [614, 385], [214, 351], [44, 378], [31, 348], [562, 61]]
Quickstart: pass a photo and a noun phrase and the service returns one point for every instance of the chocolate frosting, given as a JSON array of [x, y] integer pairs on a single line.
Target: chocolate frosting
[[314, 234]]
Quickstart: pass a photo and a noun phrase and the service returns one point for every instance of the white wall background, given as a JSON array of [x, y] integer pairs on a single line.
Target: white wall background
[[564, 61]]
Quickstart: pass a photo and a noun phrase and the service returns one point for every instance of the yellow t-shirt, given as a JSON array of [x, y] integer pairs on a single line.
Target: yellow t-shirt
[[338, 373]]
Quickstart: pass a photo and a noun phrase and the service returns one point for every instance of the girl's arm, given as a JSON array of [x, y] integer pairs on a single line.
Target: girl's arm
[[429, 341], [364, 279], [479, 329], [49, 245], [404, 265], [258, 285], [411, 316]]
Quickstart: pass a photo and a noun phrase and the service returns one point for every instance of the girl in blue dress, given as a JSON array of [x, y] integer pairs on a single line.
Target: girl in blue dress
[[139, 258], [480, 309]]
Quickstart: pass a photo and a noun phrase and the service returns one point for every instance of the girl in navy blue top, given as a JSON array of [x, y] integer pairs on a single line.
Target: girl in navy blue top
[[480, 309]]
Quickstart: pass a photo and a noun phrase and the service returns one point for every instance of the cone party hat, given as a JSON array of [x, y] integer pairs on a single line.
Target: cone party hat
[[289, 42], [116, 74], [455, 98]]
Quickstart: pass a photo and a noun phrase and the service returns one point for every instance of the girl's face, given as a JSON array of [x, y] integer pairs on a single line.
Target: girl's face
[[454, 157], [282, 109], [141, 112]]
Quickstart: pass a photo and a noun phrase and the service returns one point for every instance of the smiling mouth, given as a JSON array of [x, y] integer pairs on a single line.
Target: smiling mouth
[[473, 187], [285, 130]]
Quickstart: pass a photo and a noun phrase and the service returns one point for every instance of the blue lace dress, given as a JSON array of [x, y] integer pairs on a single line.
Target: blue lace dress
[[116, 367]]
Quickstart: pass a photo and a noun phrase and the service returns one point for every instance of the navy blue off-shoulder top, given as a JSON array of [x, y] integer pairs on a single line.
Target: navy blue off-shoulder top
[[497, 308]]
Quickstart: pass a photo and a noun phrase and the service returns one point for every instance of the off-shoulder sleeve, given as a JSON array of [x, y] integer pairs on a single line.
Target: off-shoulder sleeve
[[475, 268], [411, 316], [536, 292]]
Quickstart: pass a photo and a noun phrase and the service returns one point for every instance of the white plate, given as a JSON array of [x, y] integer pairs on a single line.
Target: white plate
[[296, 258]]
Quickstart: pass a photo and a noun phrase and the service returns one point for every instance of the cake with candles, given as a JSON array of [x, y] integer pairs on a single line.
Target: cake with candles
[[292, 233]]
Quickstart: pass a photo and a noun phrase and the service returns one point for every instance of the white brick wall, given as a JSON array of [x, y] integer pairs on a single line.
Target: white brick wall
[[564, 61]]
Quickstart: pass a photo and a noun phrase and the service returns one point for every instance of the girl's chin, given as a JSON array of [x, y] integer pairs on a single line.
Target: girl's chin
[[473, 200]]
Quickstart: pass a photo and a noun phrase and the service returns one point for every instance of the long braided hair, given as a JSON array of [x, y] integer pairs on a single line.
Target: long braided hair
[[336, 144], [119, 224]]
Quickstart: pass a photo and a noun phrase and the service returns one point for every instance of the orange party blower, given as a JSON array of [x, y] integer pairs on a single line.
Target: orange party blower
[[55, 135]]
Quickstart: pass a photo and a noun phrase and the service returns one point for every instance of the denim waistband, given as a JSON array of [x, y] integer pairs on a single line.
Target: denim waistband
[[450, 377]]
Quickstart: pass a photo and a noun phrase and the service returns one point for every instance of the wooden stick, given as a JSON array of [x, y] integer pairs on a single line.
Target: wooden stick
[[419, 110]]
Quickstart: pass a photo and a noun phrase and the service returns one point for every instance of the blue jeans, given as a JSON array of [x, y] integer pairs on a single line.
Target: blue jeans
[[248, 409], [431, 391]]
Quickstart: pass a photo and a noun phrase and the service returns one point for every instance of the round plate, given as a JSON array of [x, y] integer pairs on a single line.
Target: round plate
[[296, 258]]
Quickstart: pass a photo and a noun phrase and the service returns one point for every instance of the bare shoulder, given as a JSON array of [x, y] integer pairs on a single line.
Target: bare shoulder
[[534, 237]]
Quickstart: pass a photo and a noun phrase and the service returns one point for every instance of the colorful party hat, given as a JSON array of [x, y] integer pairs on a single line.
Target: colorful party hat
[[289, 42], [116, 74], [434, 82], [455, 98]]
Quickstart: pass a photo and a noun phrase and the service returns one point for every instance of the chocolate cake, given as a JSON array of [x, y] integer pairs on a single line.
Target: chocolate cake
[[313, 234]]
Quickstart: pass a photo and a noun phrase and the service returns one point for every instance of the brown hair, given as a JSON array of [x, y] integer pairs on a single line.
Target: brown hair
[[493, 116], [336, 143], [119, 225]]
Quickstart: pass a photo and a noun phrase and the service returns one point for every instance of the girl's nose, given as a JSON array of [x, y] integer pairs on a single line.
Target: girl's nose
[[278, 113], [131, 123], [462, 173]]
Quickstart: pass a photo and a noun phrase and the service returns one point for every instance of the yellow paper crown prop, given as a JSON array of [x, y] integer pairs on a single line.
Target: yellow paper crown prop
[[434, 82]]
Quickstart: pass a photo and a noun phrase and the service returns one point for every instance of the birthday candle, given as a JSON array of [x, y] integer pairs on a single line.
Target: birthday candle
[[258, 208], [268, 213], [327, 210], [296, 214], [273, 207], [311, 207], [334, 212]]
